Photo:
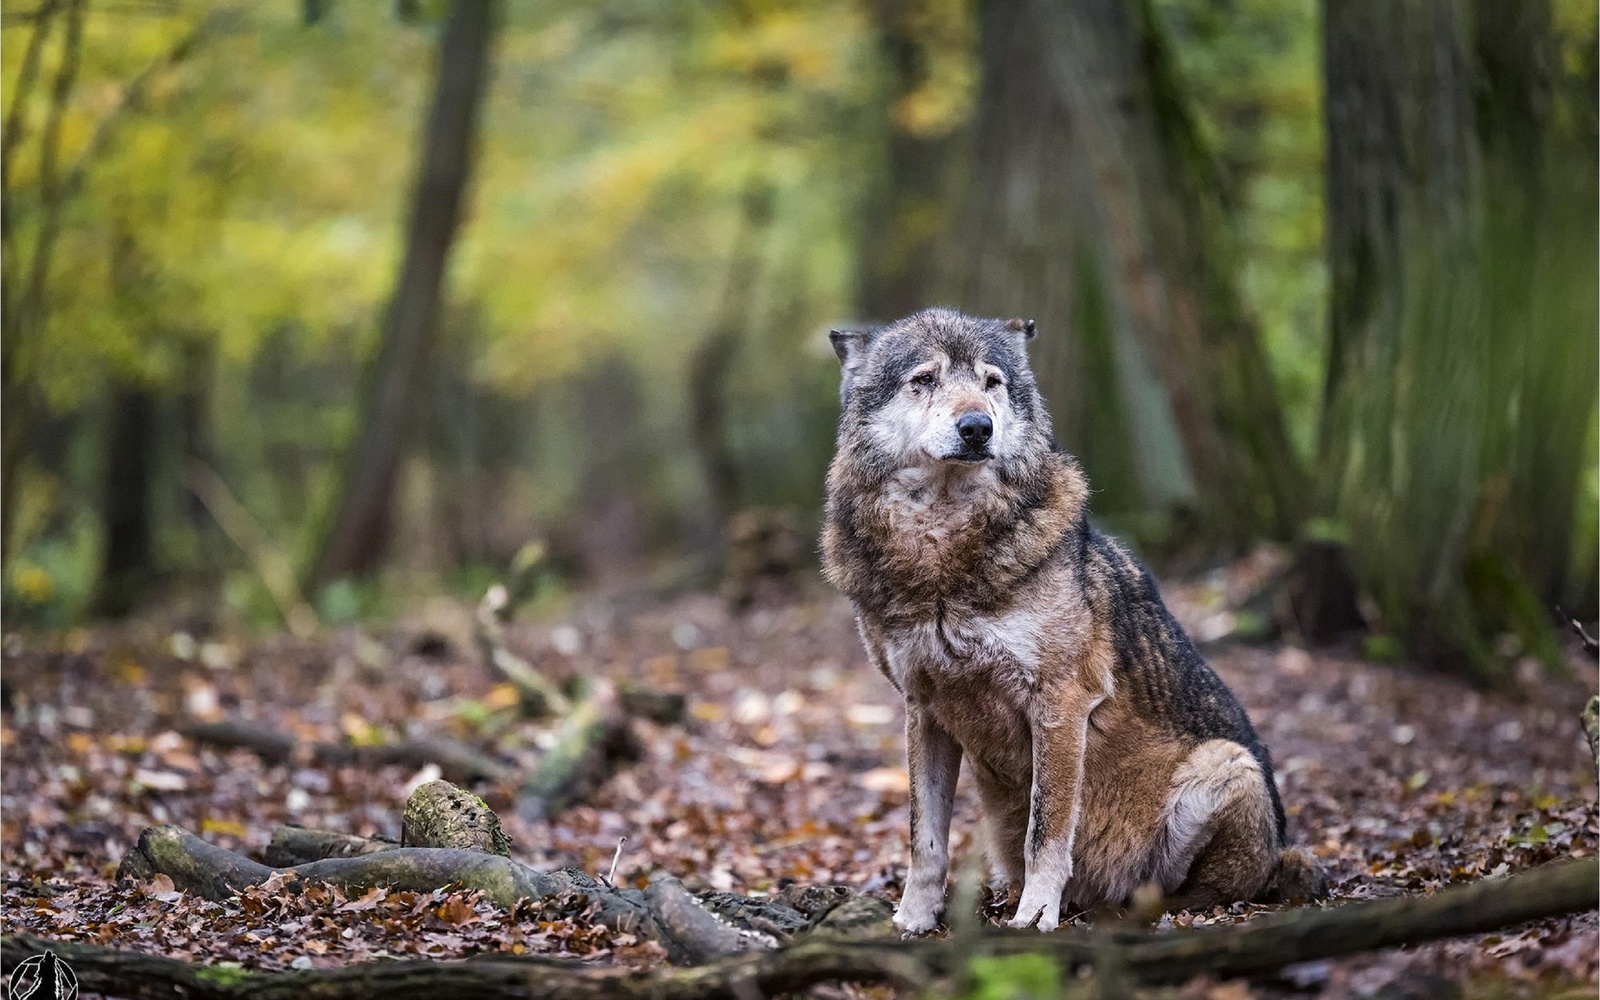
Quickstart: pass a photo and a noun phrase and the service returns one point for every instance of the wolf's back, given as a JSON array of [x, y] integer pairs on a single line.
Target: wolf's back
[[1157, 665]]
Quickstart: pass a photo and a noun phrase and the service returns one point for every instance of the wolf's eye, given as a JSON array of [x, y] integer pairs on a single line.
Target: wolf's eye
[[993, 383], [925, 379]]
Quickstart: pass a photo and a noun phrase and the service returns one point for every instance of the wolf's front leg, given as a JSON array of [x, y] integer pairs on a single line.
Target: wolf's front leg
[[934, 759], [1060, 739]]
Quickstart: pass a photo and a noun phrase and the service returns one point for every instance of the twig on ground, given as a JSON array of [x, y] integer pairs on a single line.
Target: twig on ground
[[540, 696], [612, 874]]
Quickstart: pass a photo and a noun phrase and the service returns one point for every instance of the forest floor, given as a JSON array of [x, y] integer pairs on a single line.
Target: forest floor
[[790, 766]]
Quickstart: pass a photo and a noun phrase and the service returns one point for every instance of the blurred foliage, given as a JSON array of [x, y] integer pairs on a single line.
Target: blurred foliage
[[237, 231], [1253, 73], [1012, 977], [257, 188], [1458, 441]]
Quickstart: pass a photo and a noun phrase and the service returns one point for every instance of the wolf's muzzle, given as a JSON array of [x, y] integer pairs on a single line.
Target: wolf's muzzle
[[975, 429]]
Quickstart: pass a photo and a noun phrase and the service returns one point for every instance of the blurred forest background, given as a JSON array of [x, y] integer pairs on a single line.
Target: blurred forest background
[[310, 305]]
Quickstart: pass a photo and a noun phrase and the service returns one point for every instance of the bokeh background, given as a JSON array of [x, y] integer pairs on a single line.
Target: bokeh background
[[313, 307]]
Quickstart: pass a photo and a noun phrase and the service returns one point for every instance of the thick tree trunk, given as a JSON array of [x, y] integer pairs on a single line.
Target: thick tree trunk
[[907, 211], [1030, 242], [1461, 363], [361, 523], [1092, 210], [1403, 165]]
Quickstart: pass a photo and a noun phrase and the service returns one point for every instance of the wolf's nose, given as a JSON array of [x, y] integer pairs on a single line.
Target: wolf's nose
[[975, 428]]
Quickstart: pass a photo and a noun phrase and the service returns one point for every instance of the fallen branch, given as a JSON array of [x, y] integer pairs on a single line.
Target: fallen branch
[[664, 708], [593, 739], [1591, 727], [438, 814], [540, 696], [1591, 645], [298, 845], [1262, 945], [455, 760]]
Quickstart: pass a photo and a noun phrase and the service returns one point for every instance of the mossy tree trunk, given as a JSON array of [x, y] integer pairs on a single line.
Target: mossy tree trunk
[[1461, 371], [1092, 208]]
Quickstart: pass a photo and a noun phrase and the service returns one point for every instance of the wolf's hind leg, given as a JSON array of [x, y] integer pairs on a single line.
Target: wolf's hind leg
[[1005, 813], [1218, 842]]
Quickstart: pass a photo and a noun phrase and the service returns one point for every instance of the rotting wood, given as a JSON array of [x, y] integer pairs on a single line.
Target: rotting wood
[[438, 814], [298, 845]]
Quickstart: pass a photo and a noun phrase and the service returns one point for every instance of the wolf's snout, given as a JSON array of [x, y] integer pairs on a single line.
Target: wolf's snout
[[975, 428]]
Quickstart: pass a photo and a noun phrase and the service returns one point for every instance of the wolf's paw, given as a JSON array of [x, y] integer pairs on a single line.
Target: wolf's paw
[[1045, 907], [916, 920]]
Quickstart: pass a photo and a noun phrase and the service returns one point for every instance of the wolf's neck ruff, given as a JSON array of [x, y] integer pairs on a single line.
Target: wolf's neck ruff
[[902, 550]]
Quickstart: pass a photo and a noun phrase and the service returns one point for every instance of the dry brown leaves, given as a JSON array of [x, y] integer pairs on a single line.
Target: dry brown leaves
[[790, 768]]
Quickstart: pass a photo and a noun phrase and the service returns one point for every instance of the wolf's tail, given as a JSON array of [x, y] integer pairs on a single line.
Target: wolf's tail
[[1299, 877]]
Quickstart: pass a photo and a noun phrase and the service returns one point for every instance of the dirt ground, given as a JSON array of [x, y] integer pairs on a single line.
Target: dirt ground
[[790, 767]]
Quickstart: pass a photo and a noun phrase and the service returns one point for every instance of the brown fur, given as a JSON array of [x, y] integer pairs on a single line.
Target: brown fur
[[1105, 751]]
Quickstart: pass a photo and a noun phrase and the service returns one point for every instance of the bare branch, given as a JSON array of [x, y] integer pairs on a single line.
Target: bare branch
[[49, 171], [271, 566], [27, 74]]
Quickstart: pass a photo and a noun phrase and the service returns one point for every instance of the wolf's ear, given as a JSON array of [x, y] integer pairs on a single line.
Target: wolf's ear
[[848, 344], [1022, 326]]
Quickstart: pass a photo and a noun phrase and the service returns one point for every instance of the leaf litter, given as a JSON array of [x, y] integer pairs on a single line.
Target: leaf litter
[[789, 768]]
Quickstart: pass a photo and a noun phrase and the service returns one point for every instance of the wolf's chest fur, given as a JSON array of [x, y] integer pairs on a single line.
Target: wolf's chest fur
[[975, 675]]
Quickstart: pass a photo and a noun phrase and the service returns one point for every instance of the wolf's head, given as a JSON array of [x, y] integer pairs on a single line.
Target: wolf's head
[[940, 389]]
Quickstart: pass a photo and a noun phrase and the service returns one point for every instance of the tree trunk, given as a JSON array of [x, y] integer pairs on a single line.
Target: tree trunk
[[907, 210], [1030, 243], [127, 562], [1461, 364], [1092, 210], [713, 360], [22, 307], [360, 527]]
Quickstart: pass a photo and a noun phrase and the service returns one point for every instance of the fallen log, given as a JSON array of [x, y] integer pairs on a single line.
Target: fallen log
[[1262, 945], [437, 814], [664, 708]]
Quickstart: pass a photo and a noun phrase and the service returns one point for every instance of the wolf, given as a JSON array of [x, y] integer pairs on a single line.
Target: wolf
[[1106, 753]]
